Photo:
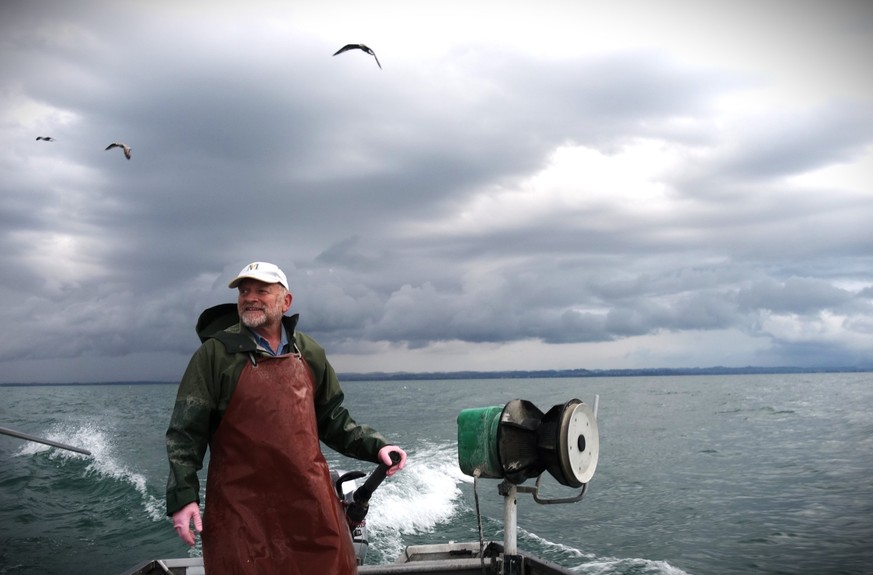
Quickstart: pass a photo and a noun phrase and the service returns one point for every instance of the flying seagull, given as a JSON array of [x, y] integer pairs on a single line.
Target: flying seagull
[[124, 147], [46, 138], [363, 47]]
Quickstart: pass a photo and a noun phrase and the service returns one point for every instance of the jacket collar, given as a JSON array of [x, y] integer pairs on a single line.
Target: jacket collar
[[221, 322]]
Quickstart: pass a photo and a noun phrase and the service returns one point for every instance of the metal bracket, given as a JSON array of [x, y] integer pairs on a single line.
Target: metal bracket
[[542, 501]]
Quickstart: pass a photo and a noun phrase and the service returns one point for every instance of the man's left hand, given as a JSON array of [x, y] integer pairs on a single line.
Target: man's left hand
[[385, 457]]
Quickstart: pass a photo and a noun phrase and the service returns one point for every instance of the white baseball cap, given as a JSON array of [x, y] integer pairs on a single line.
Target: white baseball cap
[[261, 271]]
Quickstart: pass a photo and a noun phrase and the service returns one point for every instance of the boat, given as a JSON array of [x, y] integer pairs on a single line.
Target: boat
[[437, 559], [514, 442]]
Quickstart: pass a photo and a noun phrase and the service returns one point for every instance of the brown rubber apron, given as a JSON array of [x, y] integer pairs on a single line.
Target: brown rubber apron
[[270, 504]]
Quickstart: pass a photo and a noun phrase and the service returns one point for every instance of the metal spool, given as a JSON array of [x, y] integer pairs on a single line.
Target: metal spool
[[519, 442], [569, 443]]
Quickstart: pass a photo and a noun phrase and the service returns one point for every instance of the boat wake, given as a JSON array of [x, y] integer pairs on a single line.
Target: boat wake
[[417, 500], [102, 464], [426, 502]]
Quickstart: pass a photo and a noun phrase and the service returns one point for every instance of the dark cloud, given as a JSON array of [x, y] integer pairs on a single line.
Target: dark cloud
[[794, 295], [787, 144], [414, 207]]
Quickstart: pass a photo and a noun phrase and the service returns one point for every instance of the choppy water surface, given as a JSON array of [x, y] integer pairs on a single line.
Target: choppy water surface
[[698, 475]]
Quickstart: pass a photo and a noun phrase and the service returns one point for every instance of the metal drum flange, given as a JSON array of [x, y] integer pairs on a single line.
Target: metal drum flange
[[579, 444]]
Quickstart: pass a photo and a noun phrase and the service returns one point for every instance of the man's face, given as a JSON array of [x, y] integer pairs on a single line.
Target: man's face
[[261, 305]]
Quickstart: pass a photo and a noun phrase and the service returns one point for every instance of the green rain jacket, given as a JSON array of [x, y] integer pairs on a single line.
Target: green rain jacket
[[207, 387]]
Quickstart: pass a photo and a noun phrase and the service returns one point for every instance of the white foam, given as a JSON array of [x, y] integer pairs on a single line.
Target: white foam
[[612, 565], [85, 436], [566, 549], [102, 462], [416, 500]]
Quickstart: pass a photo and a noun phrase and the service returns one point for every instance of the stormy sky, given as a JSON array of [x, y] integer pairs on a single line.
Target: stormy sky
[[523, 185]]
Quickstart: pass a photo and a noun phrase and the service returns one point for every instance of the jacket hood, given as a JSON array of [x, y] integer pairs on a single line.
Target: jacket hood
[[215, 319]]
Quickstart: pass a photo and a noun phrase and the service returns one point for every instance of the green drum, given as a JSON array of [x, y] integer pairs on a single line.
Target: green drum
[[477, 442]]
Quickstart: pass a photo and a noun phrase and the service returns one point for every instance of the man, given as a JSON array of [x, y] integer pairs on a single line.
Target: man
[[261, 395]]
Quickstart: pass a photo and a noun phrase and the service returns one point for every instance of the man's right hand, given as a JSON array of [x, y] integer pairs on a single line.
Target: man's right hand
[[182, 522]]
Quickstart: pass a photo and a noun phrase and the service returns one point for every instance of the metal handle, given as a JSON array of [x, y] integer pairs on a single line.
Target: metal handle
[[20, 435], [358, 508]]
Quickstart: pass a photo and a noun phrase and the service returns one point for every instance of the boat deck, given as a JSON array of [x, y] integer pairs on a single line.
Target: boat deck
[[439, 559]]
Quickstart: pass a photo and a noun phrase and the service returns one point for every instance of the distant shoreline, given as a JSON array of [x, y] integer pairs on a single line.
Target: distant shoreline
[[538, 374]]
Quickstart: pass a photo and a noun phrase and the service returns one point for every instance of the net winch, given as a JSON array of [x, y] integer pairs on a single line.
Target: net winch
[[516, 442]]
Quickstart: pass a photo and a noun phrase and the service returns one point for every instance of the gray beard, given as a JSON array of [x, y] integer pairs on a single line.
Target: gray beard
[[254, 319]]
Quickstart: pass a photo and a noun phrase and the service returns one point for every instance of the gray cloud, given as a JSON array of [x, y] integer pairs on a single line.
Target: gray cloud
[[411, 206]]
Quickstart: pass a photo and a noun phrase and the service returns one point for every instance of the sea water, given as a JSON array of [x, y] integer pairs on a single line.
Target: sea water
[[697, 474]]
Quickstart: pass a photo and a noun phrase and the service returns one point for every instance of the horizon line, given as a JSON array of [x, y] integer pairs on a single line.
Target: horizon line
[[520, 374]]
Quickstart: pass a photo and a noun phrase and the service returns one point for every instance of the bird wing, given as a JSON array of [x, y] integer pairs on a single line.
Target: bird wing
[[362, 47], [346, 47], [125, 148]]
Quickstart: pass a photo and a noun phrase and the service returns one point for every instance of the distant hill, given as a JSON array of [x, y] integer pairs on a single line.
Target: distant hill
[[655, 371], [546, 373]]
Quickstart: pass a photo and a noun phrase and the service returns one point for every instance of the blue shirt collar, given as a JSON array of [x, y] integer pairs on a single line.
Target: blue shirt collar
[[264, 345]]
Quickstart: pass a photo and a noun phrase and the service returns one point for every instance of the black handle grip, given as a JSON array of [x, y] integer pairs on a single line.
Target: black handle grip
[[357, 510], [365, 491]]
